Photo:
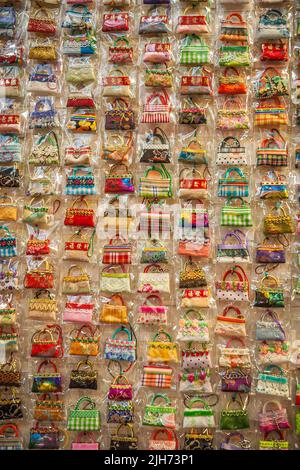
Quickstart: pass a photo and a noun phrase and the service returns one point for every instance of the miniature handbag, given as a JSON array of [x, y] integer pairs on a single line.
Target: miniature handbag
[[8, 243], [234, 56], [193, 328], [80, 182], [157, 52], [234, 29], [114, 311], [278, 223], [269, 328], [9, 438], [79, 42], [81, 444], [193, 153], [274, 444], [157, 376], [42, 22], [274, 51], [273, 419], [117, 251], [196, 298], [154, 279], [193, 184], [269, 293], [192, 113], [272, 25], [8, 314], [44, 437], [271, 383], [233, 83], [77, 16], [194, 51], [270, 252], [162, 415], [154, 22], [157, 109], [151, 314], [80, 216], [230, 152], [45, 150], [10, 148], [47, 381], [116, 84], [236, 215], [237, 252], [119, 180], [156, 148], [123, 442], [120, 117], [166, 443], [155, 224], [201, 416], [43, 306], [192, 275], [9, 176], [84, 341], [120, 412], [9, 339], [270, 84], [44, 115], [273, 352], [272, 151], [79, 310], [235, 441], [112, 280], [195, 381], [162, 348], [76, 282], [232, 115], [234, 183], [232, 419], [10, 374], [117, 149], [86, 418], [42, 80], [194, 358], [233, 356], [158, 76], [37, 213], [80, 246], [11, 407], [47, 342], [115, 21], [121, 52], [156, 183], [84, 377], [10, 85], [231, 325], [236, 290], [236, 380], [271, 113], [120, 389], [79, 155], [9, 276], [197, 82], [42, 277], [121, 349], [81, 120], [198, 441]]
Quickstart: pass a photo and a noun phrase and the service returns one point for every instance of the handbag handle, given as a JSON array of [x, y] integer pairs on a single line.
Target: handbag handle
[[157, 170], [88, 434], [234, 338], [47, 363], [83, 169], [119, 378], [36, 336], [115, 297], [234, 169], [125, 330], [190, 38], [235, 72], [10, 426], [127, 426], [80, 332], [193, 400], [272, 13], [232, 101], [79, 200], [120, 73], [41, 291], [234, 434], [121, 39], [234, 234], [273, 402], [235, 15], [235, 198], [85, 399], [234, 140], [277, 431], [161, 396], [239, 401], [87, 362], [159, 134], [234, 270], [192, 311], [232, 307], [157, 268], [270, 71], [270, 367], [162, 333], [78, 268], [269, 277], [167, 432], [114, 268], [120, 101], [163, 98]]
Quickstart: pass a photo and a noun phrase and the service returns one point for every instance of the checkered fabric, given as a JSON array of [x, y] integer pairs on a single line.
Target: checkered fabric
[[236, 216], [84, 420], [8, 247], [117, 254], [80, 185], [194, 54], [270, 116], [157, 376], [271, 157], [155, 188], [154, 224], [233, 187]]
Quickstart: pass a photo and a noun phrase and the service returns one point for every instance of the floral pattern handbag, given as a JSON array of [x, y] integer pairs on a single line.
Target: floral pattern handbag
[[269, 293], [162, 415], [192, 327], [232, 115], [121, 349], [156, 148], [84, 341], [236, 289], [154, 279], [152, 312], [119, 180], [162, 348], [271, 84]]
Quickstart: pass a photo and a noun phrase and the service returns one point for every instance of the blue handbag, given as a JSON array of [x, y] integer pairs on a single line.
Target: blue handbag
[[44, 115], [120, 349], [8, 243], [7, 18]]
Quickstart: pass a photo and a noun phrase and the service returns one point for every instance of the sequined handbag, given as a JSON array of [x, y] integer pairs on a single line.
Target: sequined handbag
[[47, 381]]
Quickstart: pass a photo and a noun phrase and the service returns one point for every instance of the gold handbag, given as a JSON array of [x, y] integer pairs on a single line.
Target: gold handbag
[[278, 223], [192, 275], [76, 283], [117, 148], [42, 308], [114, 311], [43, 52], [8, 210], [162, 348]]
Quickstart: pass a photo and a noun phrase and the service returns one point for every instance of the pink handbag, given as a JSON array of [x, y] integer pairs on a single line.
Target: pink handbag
[[272, 419], [153, 313], [79, 310], [78, 445]]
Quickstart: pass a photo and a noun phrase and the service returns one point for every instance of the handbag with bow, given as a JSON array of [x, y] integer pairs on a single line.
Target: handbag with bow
[[238, 215], [47, 342], [84, 341], [198, 414], [119, 180], [194, 51], [235, 289], [272, 418], [86, 418], [235, 252], [230, 152], [47, 379], [233, 83], [156, 148], [162, 415], [117, 349], [234, 183], [272, 151], [162, 348], [120, 116]]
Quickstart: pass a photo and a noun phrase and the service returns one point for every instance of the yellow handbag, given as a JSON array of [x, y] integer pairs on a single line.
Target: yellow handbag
[[278, 223], [85, 342], [114, 311], [42, 306], [43, 52], [162, 348], [8, 210]]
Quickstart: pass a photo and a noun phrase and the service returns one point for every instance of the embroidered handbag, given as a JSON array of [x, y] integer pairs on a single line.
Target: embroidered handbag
[[274, 186], [112, 280], [84, 376], [159, 76], [117, 149], [155, 223], [10, 405], [80, 42], [235, 441], [42, 277], [192, 24], [120, 412], [232, 115], [201, 416], [41, 21], [234, 183], [271, 383], [272, 25], [237, 289], [236, 380], [47, 342], [9, 176], [86, 418], [115, 21], [195, 381], [274, 418], [162, 415], [44, 115], [235, 252], [43, 80], [47, 381], [156, 148], [119, 180], [196, 298], [167, 442], [271, 113], [8, 243], [123, 442], [269, 293], [120, 389], [193, 328], [193, 184], [233, 83], [232, 419], [274, 444], [231, 325], [273, 352], [278, 223], [154, 279], [234, 56], [76, 282], [162, 348], [156, 109], [80, 246], [10, 373], [194, 358], [236, 216], [45, 150], [42, 306], [197, 82], [79, 310], [155, 22], [44, 437], [194, 51], [78, 216], [274, 51], [114, 311], [121, 52], [157, 52], [269, 328], [272, 151], [233, 356], [156, 183], [192, 113], [230, 152], [270, 84], [84, 341], [233, 29], [193, 153], [82, 120], [120, 349], [198, 441], [116, 84], [82, 443], [151, 314], [120, 116], [80, 182], [10, 148], [157, 376], [9, 276], [9, 438], [192, 275]]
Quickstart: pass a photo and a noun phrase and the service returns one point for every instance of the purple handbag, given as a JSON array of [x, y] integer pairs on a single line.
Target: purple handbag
[[240, 442], [237, 251], [270, 252], [236, 380]]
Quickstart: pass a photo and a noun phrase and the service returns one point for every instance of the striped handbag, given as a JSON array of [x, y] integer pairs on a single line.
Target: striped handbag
[[8, 243], [272, 151], [236, 215], [193, 153], [157, 183], [233, 186], [271, 113], [157, 376], [156, 109], [194, 51], [117, 251]]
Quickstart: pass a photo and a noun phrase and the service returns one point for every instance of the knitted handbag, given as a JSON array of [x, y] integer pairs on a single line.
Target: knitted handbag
[[236, 290], [233, 83], [194, 51], [156, 148], [234, 183], [157, 109], [236, 215], [272, 151], [269, 293], [85, 419], [193, 153], [270, 84], [197, 82], [271, 383], [237, 252], [232, 115], [159, 76], [230, 152], [156, 183]]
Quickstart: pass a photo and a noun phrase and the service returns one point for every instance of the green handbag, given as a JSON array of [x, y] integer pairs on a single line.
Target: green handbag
[[163, 415], [235, 419], [236, 216], [298, 424], [234, 56], [84, 419], [194, 51]]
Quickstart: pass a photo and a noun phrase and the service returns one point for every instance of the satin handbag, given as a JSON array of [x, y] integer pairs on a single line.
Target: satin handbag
[[79, 310], [41, 21], [119, 180], [114, 311], [80, 216], [86, 418], [272, 418], [162, 348], [157, 52], [116, 349], [273, 381], [269, 328], [47, 381], [84, 376], [230, 152], [41, 277], [269, 293], [198, 414], [84, 341], [120, 389], [237, 289], [162, 415]]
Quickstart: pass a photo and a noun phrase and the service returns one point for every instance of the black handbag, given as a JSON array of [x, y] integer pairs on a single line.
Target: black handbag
[[9, 177], [84, 378], [123, 442], [156, 149], [198, 441], [10, 406]]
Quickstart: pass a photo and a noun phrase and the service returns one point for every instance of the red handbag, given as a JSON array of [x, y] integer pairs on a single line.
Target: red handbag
[[274, 51], [117, 251], [115, 21], [42, 22], [36, 247], [40, 278], [47, 342], [233, 84], [120, 52], [80, 217]]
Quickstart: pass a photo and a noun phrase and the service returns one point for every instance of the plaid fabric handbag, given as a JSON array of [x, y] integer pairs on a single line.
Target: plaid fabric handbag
[[157, 376], [194, 51], [232, 115], [155, 223], [80, 182], [193, 153], [233, 83], [272, 151], [156, 113], [8, 243], [233, 290], [270, 84], [230, 152], [233, 186], [86, 419], [234, 56], [236, 215], [117, 251], [271, 113], [156, 149], [157, 183]]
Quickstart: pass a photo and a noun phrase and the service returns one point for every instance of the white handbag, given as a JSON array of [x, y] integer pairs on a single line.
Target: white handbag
[[114, 281], [234, 356], [154, 279], [198, 417], [195, 381], [273, 381]]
